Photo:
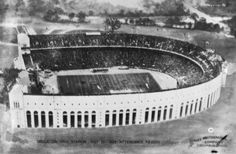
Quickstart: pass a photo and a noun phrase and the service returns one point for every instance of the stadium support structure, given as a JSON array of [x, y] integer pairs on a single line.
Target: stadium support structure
[[96, 111]]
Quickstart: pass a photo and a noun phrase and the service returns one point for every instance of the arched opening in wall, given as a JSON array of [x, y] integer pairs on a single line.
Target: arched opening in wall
[[134, 116], [72, 119], [28, 117], [181, 110], [127, 117], [43, 119], [86, 119], [200, 105], [50, 118], [107, 118], [93, 119], [164, 114], [121, 118], [208, 100], [186, 109], [171, 112], [195, 109], [64, 119], [146, 115], [79, 119], [212, 97], [114, 118], [153, 114], [36, 119], [191, 108], [159, 114]]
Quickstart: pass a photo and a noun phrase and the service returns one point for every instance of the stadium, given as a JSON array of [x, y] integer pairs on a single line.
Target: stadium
[[102, 79]]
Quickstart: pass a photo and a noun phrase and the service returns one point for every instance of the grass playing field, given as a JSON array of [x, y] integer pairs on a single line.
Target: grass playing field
[[107, 84]]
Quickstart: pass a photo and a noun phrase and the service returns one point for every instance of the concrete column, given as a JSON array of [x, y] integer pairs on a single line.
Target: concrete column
[[141, 116], [100, 118], [210, 102], [214, 95], [110, 118], [54, 119], [124, 116], [183, 111], [39, 119], [155, 117], [24, 119], [32, 119], [82, 119], [46, 119], [117, 118], [219, 93], [162, 113], [167, 112], [197, 106], [76, 119], [149, 115], [101, 121], [89, 119], [97, 119], [68, 119], [130, 117], [191, 111]]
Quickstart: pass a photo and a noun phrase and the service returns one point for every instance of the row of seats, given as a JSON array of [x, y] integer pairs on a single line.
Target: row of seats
[[125, 40], [176, 66]]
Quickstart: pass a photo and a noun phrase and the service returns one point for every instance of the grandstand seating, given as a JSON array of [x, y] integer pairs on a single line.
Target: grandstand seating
[[81, 51]]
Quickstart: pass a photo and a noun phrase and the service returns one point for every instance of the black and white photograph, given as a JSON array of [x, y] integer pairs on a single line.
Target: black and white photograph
[[117, 76]]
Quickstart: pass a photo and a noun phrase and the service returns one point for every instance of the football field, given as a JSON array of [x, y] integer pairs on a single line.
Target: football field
[[107, 84]]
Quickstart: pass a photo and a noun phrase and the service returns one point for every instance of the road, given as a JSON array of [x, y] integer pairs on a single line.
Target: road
[[208, 18]]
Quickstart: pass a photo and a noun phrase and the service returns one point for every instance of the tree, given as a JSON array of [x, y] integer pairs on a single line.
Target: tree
[[232, 25], [201, 24], [217, 28], [147, 5], [194, 16], [81, 16], [3, 9], [121, 13], [90, 13], [51, 15], [166, 7], [10, 75], [216, 2], [35, 7], [56, 2], [112, 24], [58, 10], [20, 5], [71, 15], [172, 21]]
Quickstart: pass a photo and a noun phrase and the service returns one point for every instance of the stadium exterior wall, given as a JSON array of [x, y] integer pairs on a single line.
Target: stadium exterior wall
[[58, 111]]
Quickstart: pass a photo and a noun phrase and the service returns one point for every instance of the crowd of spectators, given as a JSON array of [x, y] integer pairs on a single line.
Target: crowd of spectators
[[81, 51], [105, 57]]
